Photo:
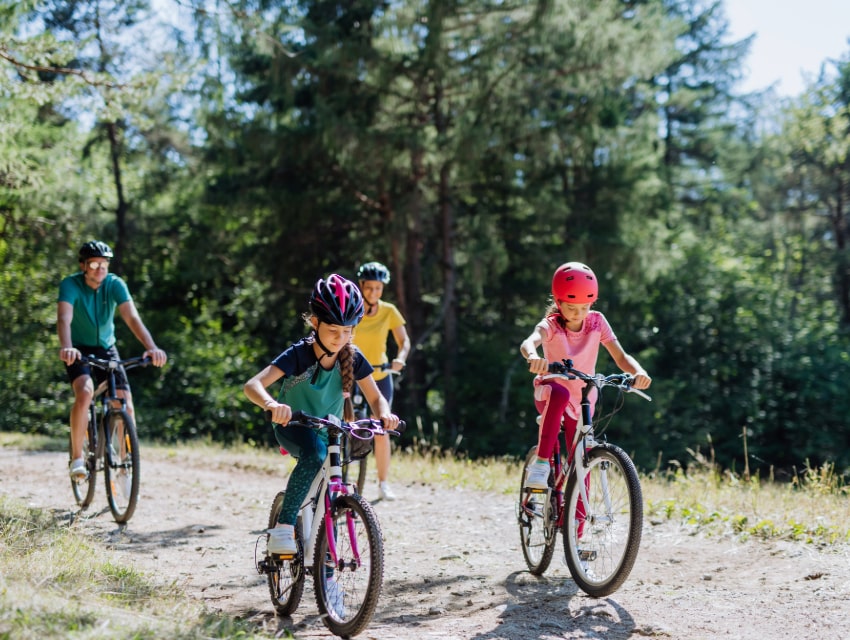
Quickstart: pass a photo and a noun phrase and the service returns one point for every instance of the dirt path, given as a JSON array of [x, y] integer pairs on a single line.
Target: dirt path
[[453, 564]]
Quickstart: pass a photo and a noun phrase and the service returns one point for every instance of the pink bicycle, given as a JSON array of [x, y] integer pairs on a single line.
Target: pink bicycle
[[338, 537]]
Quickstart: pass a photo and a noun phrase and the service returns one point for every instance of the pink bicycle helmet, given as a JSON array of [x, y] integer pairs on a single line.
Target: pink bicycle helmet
[[337, 301], [575, 282]]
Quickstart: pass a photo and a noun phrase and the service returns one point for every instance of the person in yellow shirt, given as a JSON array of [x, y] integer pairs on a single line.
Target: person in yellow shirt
[[379, 321]]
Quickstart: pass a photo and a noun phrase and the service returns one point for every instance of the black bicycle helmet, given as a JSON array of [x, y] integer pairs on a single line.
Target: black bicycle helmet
[[337, 301], [374, 271], [95, 249]]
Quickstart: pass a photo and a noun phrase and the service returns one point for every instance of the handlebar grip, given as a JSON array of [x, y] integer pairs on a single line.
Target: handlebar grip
[[402, 425]]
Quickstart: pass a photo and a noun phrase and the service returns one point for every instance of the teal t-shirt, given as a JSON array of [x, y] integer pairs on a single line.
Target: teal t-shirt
[[310, 388], [93, 324]]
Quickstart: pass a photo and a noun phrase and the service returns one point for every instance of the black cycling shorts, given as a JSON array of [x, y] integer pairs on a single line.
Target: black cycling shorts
[[78, 369]]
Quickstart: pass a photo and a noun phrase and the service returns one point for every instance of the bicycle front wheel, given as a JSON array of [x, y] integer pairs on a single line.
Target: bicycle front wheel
[[84, 489], [602, 537], [121, 465], [537, 522], [286, 579], [347, 589]]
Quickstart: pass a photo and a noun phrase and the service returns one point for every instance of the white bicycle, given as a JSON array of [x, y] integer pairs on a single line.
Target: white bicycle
[[338, 537]]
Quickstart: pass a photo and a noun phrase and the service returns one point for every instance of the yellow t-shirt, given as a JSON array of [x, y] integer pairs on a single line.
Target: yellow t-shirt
[[371, 334]]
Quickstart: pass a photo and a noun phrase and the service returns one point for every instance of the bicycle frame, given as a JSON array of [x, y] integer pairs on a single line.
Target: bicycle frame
[[115, 451], [328, 482]]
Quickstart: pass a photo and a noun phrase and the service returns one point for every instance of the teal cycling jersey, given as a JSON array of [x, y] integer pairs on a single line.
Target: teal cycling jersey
[[93, 324]]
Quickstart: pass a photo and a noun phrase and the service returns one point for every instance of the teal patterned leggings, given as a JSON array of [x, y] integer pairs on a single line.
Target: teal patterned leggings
[[311, 448]]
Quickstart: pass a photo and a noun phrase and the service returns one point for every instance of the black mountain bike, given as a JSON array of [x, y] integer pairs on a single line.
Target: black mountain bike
[[111, 444]]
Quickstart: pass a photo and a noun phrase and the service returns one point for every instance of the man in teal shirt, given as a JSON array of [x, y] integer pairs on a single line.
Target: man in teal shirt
[[85, 322]]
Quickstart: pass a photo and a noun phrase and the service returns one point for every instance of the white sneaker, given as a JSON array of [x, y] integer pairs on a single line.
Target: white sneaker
[[335, 598], [537, 476], [78, 470], [384, 492], [282, 540]]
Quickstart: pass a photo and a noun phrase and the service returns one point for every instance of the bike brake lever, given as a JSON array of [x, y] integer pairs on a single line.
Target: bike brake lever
[[640, 393]]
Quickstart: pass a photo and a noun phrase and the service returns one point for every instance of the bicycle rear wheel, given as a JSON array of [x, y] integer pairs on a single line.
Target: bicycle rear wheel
[[84, 489], [602, 538], [537, 522], [121, 465], [286, 577], [347, 590]]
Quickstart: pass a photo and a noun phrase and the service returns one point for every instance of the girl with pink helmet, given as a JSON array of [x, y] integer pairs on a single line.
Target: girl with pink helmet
[[569, 330]]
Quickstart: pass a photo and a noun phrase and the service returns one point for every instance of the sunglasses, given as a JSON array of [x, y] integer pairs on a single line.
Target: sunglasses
[[98, 264]]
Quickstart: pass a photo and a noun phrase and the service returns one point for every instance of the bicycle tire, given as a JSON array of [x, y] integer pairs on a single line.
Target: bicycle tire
[[286, 581], [537, 521], [356, 583], [602, 541], [121, 465], [84, 489]]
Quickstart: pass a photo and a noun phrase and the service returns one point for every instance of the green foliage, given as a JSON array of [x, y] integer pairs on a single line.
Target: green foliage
[[473, 148]]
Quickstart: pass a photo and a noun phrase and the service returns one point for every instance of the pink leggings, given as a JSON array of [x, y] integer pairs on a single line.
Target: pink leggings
[[551, 400]]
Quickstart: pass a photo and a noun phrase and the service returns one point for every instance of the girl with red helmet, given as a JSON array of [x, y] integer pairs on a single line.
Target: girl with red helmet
[[318, 374], [570, 330]]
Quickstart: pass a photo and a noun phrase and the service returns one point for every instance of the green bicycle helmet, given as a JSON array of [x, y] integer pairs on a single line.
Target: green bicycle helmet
[[373, 271]]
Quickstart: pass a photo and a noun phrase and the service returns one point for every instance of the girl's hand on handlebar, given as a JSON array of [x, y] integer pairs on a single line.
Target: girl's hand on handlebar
[[641, 380], [538, 365], [281, 413], [69, 355]]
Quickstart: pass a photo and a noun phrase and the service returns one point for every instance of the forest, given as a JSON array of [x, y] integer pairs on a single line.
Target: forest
[[232, 152]]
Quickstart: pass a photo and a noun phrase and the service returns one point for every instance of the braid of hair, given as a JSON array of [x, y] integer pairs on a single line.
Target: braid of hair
[[346, 367]]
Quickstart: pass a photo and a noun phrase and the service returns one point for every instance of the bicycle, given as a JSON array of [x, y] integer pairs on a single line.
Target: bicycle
[[339, 530], [600, 487], [111, 443], [361, 453]]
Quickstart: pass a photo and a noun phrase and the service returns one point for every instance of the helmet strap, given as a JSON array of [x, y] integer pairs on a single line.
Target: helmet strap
[[327, 352]]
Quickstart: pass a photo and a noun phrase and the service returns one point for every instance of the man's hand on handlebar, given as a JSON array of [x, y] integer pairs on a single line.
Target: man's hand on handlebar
[[69, 355]]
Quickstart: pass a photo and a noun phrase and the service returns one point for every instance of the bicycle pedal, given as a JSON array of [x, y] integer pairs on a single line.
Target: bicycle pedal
[[534, 490], [587, 555]]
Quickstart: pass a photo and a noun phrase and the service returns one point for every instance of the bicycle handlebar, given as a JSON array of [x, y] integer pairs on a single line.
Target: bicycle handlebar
[[129, 363], [622, 381], [364, 429], [387, 367]]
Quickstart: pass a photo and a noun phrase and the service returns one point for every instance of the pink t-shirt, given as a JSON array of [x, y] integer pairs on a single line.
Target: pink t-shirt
[[582, 347]]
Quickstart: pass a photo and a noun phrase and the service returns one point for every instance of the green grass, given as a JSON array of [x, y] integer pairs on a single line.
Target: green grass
[[56, 583]]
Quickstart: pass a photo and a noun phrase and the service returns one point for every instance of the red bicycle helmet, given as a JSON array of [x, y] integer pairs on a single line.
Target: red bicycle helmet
[[337, 301], [574, 282]]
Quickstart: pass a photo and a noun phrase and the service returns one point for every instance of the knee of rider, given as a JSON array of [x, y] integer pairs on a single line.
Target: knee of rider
[[552, 394]]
